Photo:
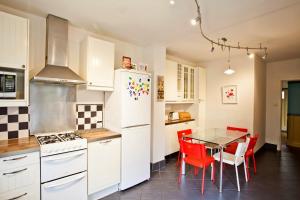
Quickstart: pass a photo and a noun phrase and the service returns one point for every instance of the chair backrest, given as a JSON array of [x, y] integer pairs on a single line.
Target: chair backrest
[[231, 128], [253, 140], [194, 150], [242, 148], [182, 133]]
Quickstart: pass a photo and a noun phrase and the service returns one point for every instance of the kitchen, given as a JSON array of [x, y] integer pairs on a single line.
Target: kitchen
[[90, 109]]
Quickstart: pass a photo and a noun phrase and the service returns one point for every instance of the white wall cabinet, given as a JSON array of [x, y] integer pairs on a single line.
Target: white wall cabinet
[[171, 142], [104, 158], [20, 177], [97, 64], [13, 40], [14, 34], [179, 82]]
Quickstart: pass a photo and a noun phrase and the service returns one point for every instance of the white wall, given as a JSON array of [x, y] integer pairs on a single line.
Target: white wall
[[259, 122], [155, 56], [276, 73], [220, 115]]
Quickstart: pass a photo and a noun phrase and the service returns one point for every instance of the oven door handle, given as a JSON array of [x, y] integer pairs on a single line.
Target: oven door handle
[[62, 184], [68, 157]]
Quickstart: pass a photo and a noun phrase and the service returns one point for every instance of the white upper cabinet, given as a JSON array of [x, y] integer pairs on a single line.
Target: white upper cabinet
[[14, 41], [171, 81], [179, 82], [97, 64]]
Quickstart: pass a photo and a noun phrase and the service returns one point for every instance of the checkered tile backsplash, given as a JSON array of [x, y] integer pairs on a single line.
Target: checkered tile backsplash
[[13, 122], [89, 116]]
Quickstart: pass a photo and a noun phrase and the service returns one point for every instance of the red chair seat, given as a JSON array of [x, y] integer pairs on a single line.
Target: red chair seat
[[231, 148], [199, 163]]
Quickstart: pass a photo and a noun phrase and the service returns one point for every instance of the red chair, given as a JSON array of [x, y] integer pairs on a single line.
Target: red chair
[[180, 134], [250, 153], [195, 155], [231, 148]]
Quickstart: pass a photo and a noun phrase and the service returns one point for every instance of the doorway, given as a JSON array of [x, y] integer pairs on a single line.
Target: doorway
[[284, 112]]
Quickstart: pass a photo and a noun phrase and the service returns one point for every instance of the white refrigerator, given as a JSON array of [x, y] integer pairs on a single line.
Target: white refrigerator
[[128, 112]]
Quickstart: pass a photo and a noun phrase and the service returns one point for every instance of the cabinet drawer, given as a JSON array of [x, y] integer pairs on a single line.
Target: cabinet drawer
[[19, 160], [14, 178], [26, 193]]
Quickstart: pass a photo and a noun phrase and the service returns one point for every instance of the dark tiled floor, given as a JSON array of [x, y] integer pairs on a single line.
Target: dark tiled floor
[[278, 177]]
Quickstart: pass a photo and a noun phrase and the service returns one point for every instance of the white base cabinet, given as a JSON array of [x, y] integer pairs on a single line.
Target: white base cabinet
[[104, 159], [20, 177], [171, 142]]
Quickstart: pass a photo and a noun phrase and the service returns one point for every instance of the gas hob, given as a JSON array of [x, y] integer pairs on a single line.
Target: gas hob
[[60, 142]]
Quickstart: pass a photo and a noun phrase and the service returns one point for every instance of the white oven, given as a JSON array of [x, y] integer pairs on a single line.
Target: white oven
[[64, 176]]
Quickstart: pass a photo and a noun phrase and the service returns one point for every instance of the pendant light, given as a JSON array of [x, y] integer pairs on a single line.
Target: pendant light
[[229, 71]]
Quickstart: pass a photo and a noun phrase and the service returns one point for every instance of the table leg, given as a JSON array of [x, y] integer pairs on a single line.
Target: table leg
[[183, 165], [221, 169]]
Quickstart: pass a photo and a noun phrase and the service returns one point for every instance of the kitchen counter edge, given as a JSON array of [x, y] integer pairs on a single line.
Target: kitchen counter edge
[[170, 122]]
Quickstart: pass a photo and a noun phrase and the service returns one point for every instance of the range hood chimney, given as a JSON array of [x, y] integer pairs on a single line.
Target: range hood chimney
[[56, 68]]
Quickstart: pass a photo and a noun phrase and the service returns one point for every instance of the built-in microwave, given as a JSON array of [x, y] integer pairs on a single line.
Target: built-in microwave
[[8, 84]]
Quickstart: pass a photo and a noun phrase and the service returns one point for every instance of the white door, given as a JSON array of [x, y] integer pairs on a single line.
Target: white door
[[135, 167], [13, 40], [135, 99], [71, 187], [100, 69]]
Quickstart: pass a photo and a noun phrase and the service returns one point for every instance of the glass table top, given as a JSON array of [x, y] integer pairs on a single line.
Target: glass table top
[[221, 137]]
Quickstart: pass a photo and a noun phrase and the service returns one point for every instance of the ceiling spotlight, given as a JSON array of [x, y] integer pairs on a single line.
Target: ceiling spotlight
[[250, 55], [265, 55], [172, 2], [212, 47], [194, 21]]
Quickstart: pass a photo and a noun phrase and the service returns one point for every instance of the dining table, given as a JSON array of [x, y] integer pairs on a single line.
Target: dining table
[[215, 138]]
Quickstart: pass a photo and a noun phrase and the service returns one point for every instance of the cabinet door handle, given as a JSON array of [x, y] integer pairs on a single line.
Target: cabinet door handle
[[23, 66], [14, 159], [18, 197], [105, 142], [90, 83], [14, 172]]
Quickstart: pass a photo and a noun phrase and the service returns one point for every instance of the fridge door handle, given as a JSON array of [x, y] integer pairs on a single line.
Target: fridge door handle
[[136, 126]]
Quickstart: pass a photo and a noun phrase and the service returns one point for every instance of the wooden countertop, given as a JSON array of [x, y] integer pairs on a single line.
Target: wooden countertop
[[26, 145], [18, 146], [98, 134], [169, 122]]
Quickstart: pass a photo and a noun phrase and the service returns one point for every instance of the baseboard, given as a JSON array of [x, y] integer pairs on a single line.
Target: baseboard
[[269, 146], [104, 193], [171, 156], [158, 165]]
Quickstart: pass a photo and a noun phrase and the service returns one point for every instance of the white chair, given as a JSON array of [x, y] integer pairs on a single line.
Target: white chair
[[236, 159]]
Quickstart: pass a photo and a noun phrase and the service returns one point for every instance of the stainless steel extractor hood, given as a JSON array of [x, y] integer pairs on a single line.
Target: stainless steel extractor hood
[[56, 69]]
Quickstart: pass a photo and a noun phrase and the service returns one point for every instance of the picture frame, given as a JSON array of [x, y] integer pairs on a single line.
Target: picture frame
[[229, 94], [160, 88], [126, 62]]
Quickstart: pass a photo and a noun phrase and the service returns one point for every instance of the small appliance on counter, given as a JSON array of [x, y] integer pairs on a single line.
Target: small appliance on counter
[[8, 83], [184, 116], [173, 116]]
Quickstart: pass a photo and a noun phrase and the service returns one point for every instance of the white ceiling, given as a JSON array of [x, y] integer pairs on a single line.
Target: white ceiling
[[275, 23]]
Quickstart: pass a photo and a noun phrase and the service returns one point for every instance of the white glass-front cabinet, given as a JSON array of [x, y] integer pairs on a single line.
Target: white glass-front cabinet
[[97, 64], [179, 82], [14, 34]]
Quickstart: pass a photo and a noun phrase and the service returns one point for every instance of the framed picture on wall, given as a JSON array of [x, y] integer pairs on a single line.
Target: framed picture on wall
[[160, 88], [229, 94]]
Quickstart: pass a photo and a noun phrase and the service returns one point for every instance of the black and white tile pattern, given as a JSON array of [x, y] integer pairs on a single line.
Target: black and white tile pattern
[[89, 116], [14, 122]]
